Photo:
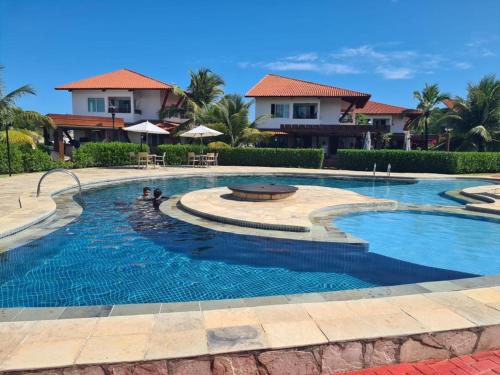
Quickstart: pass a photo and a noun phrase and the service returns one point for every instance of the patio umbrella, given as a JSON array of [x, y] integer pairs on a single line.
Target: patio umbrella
[[146, 128], [407, 141], [368, 141], [201, 132]]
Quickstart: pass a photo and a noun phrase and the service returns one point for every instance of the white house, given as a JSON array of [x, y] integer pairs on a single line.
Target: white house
[[308, 114], [132, 98]]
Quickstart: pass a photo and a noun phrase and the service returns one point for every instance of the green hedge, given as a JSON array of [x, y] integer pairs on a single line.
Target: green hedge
[[265, 157], [105, 154], [26, 159], [420, 161]]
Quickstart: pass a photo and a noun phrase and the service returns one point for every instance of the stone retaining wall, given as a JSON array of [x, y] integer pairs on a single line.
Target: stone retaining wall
[[316, 360]]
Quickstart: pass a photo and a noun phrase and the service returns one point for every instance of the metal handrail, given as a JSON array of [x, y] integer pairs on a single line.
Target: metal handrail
[[63, 171]]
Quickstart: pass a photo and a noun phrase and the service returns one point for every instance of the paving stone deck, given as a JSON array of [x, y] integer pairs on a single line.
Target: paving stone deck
[[291, 214]]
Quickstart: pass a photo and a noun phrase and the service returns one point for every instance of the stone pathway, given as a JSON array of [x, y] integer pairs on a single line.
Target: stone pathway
[[479, 363]]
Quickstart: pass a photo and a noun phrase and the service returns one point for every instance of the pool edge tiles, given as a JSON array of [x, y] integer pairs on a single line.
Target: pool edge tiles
[[20, 314]]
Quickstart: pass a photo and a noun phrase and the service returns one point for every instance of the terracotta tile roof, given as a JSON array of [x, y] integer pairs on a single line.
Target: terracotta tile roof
[[375, 108], [450, 103], [120, 79], [274, 86], [85, 121]]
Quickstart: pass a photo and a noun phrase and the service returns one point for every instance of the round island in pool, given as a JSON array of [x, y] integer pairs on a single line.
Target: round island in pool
[[262, 192]]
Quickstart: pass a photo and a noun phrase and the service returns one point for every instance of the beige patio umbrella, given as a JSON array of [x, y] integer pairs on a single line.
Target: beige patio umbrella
[[201, 132], [146, 128]]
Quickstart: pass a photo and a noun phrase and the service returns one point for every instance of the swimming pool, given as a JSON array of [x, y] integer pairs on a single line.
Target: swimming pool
[[123, 251]]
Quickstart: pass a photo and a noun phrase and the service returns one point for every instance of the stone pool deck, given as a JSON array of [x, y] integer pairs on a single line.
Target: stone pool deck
[[292, 214], [299, 334], [301, 337]]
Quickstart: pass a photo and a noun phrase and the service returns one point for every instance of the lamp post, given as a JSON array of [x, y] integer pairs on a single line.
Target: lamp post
[[448, 132], [112, 110], [7, 127]]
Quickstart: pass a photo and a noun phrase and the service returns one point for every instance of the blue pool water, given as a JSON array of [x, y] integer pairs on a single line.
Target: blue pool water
[[124, 251], [429, 239]]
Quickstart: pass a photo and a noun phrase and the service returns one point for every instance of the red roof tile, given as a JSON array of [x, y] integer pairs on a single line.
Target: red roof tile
[[120, 79], [450, 103], [273, 85], [375, 108], [85, 121]]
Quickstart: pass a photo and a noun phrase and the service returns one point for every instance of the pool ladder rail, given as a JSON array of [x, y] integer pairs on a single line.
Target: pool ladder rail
[[62, 170]]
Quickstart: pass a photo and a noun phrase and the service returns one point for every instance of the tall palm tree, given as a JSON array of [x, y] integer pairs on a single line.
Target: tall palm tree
[[230, 116], [11, 114], [428, 100], [476, 119], [205, 87]]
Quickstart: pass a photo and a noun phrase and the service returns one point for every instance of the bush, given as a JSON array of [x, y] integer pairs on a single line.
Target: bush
[[16, 157], [218, 145], [26, 159], [265, 157], [420, 161], [105, 154]]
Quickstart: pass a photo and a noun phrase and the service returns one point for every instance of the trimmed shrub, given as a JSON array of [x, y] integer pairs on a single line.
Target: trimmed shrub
[[218, 145], [26, 159], [264, 157], [16, 158], [105, 154], [420, 161]]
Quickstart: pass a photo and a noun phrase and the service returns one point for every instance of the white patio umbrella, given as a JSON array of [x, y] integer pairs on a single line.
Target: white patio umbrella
[[368, 141], [146, 128], [407, 141], [201, 132]]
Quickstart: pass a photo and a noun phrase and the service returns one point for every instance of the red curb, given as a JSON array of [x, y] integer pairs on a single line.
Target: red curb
[[485, 363]]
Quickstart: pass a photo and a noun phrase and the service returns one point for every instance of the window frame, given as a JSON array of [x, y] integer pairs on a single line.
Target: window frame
[[117, 107], [310, 104], [285, 110], [95, 102]]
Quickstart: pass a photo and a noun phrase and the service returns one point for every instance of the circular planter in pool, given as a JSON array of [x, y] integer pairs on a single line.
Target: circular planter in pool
[[262, 192]]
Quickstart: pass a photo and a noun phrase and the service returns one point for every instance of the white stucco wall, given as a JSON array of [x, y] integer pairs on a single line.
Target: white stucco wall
[[328, 111], [148, 101], [398, 123]]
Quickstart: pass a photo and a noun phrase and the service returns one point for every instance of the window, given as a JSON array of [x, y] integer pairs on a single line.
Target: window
[[280, 110], [305, 110], [380, 121], [95, 104], [122, 105]]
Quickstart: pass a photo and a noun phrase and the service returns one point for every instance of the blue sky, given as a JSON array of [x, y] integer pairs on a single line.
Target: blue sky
[[385, 47]]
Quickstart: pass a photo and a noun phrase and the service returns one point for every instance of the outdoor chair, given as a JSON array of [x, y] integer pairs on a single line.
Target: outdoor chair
[[192, 159], [132, 156], [210, 158], [160, 160], [142, 159]]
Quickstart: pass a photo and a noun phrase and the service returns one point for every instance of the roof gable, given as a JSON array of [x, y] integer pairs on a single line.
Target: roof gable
[[374, 108], [278, 86], [121, 79]]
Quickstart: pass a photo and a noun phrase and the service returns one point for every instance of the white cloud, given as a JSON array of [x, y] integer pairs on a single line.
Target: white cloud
[[325, 68], [395, 73], [388, 60], [463, 65], [310, 56]]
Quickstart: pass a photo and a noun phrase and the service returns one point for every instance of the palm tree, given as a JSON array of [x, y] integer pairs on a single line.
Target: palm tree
[[428, 100], [204, 89], [476, 119], [21, 137], [230, 116], [11, 114]]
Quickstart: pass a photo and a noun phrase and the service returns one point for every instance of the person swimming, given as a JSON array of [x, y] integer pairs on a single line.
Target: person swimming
[[158, 198], [146, 194]]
